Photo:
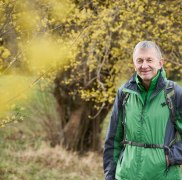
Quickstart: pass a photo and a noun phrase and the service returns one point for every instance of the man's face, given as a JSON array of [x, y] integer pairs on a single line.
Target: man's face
[[147, 63]]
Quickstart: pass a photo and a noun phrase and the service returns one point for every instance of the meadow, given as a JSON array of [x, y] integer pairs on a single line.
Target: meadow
[[31, 158], [26, 153]]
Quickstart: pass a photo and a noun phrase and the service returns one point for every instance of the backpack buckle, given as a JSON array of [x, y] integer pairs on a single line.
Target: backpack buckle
[[149, 146], [146, 145]]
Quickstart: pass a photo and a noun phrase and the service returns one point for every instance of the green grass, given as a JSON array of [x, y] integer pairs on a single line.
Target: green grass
[[179, 82]]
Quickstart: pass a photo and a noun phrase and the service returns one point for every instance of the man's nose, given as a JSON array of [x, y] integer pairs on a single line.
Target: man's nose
[[144, 64]]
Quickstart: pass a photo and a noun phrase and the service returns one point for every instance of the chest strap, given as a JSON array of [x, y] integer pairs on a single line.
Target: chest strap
[[132, 143]]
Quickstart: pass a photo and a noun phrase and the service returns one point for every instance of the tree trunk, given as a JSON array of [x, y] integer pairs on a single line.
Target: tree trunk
[[79, 132]]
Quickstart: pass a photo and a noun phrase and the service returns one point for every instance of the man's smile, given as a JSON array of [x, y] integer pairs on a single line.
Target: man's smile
[[145, 72]]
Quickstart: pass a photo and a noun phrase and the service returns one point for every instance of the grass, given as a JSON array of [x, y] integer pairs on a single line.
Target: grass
[[26, 153], [30, 158], [179, 82]]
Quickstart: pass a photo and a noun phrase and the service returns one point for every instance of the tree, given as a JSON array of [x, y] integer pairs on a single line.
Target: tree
[[107, 34]]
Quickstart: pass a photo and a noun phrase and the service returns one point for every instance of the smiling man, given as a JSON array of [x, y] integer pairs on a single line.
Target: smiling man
[[147, 62], [147, 112]]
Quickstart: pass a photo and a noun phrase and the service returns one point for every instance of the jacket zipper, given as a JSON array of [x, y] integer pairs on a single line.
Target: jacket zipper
[[142, 115]]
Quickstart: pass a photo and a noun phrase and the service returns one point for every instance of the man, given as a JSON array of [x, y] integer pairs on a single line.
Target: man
[[140, 143]]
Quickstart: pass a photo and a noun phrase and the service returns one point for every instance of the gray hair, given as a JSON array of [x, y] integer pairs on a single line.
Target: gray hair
[[146, 45]]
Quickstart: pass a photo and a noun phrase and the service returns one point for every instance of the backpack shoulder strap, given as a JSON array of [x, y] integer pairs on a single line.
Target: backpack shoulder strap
[[170, 99]]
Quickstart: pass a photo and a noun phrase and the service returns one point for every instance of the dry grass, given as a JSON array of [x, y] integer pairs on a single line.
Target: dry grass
[[61, 159], [51, 163]]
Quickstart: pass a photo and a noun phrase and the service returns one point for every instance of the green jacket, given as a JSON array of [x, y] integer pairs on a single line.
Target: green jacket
[[147, 121]]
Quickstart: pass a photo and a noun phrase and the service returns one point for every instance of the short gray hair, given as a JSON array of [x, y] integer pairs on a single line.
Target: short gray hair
[[148, 44]]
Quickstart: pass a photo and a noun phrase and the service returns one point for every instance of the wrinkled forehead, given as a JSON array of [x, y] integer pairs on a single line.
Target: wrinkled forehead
[[145, 53]]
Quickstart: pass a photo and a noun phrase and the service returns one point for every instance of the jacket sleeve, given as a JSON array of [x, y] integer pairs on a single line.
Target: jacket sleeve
[[112, 146], [175, 153]]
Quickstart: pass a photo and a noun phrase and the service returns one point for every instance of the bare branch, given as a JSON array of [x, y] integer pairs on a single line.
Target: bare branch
[[102, 107]]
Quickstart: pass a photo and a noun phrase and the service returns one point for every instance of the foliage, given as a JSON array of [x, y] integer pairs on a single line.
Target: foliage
[[106, 34], [28, 48], [12, 98]]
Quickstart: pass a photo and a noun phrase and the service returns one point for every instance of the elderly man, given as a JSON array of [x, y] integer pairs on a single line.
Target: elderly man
[[141, 139]]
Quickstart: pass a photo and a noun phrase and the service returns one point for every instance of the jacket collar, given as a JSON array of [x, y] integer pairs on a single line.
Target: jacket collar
[[132, 84]]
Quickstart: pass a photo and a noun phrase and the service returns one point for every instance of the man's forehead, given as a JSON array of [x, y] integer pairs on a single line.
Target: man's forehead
[[145, 53]]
